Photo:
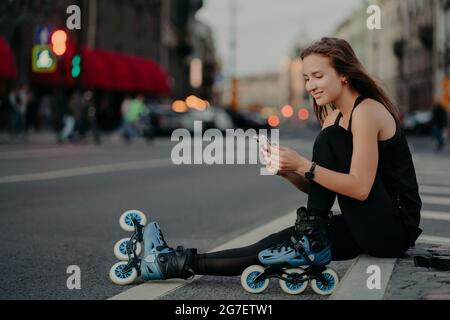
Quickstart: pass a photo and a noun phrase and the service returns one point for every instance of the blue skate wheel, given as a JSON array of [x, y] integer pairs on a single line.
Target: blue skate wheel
[[120, 249], [126, 219], [248, 277], [321, 288], [291, 287], [119, 276]]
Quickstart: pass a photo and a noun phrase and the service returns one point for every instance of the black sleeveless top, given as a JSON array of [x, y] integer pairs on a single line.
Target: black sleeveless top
[[397, 173]]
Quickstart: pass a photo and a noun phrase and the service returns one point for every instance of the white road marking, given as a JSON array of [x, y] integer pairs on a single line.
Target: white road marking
[[435, 215], [51, 152], [435, 200], [434, 189], [433, 172], [434, 239], [66, 173]]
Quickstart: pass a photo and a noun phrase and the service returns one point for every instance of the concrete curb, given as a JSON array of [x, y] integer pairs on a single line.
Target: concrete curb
[[362, 274]]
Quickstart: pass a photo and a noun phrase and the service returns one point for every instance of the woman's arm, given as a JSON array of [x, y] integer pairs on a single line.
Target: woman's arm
[[358, 182], [298, 180]]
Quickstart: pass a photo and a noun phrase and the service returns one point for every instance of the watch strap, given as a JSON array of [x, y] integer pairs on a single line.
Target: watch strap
[[310, 174]]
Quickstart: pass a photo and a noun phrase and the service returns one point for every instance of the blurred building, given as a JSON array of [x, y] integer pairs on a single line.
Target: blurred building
[[298, 96], [403, 53], [260, 91], [442, 53], [296, 83], [152, 41], [386, 57], [351, 30], [204, 50]]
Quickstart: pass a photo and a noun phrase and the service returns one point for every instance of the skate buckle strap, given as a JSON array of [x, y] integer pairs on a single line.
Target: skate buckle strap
[[297, 246], [310, 216], [160, 248], [300, 249]]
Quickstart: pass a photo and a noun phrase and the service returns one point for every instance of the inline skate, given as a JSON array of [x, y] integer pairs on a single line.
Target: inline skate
[[297, 262], [158, 261]]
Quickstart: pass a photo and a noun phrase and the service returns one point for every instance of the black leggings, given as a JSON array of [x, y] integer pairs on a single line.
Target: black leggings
[[372, 226]]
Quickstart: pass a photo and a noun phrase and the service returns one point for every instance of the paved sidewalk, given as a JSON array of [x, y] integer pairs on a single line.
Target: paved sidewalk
[[419, 283], [422, 273], [43, 137]]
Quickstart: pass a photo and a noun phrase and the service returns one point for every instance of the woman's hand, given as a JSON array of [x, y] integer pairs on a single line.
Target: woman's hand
[[280, 160], [270, 164]]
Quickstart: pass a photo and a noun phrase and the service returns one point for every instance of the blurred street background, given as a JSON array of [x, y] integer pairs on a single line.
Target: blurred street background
[[91, 91]]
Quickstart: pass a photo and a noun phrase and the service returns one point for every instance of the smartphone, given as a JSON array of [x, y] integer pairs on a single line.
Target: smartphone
[[262, 139]]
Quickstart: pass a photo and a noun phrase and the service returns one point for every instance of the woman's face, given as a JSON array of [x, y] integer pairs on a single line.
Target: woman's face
[[321, 79]]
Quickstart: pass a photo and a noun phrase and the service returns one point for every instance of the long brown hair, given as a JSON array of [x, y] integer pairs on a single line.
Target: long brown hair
[[343, 59]]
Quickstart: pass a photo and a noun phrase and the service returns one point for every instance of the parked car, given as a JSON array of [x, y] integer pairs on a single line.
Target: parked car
[[246, 119], [222, 120], [205, 116], [164, 120], [418, 122], [212, 117]]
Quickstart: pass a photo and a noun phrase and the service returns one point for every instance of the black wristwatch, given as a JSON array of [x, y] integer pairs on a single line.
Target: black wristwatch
[[310, 174]]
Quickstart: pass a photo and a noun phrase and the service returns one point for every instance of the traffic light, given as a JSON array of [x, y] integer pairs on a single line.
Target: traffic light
[[59, 39], [76, 66]]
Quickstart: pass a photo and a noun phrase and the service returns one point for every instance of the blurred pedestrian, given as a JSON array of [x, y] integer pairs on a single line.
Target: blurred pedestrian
[[13, 111], [17, 101], [31, 112], [68, 128], [23, 94], [124, 107], [76, 106], [132, 117], [45, 112], [439, 122], [92, 116], [71, 119]]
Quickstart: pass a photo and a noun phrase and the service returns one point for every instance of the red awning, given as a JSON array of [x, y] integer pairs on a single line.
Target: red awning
[[162, 80], [96, 72], [123, 72], [142, 79], [148, 76], [8, 69], [111, 71]]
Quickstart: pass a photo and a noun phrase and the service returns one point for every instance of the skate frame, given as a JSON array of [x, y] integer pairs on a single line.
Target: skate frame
[[133, 259], [278, 271]]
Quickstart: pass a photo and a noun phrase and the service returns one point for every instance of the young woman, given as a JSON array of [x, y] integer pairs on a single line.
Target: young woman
[[361, 156]]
